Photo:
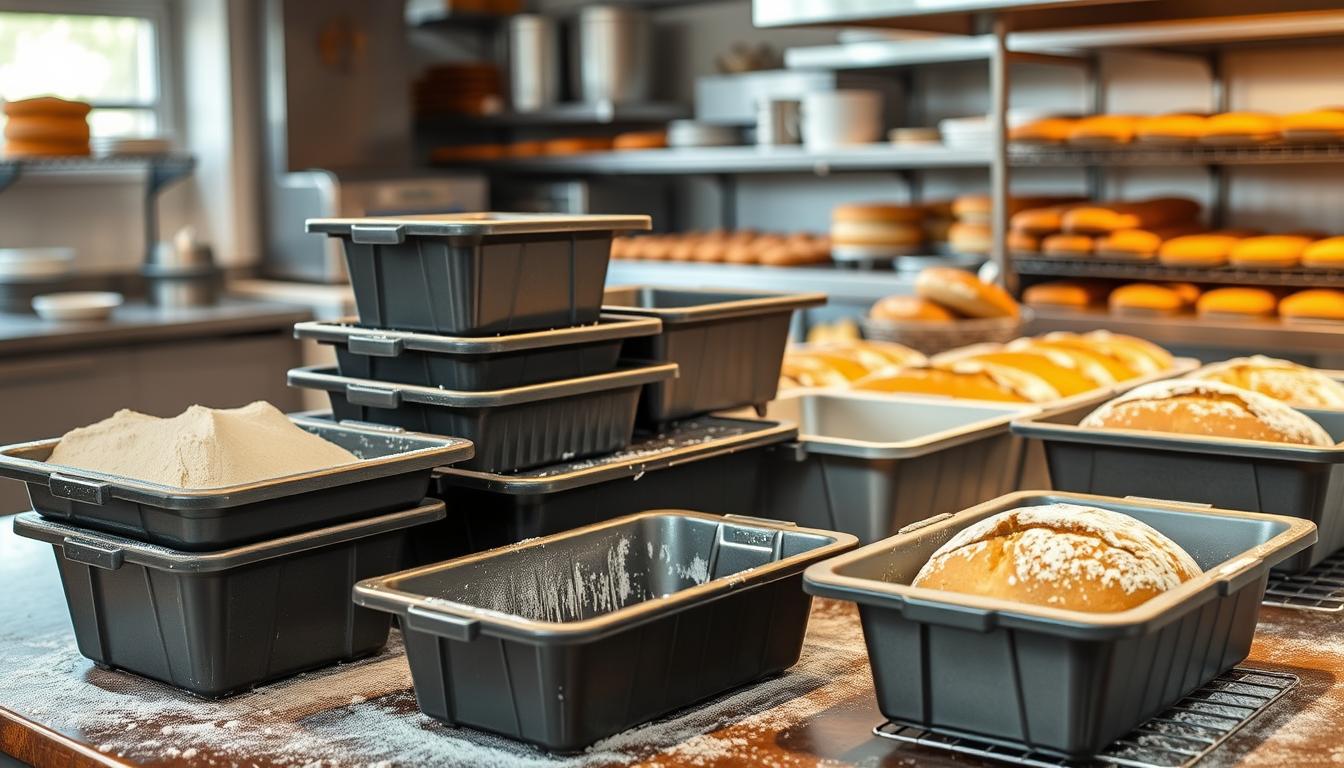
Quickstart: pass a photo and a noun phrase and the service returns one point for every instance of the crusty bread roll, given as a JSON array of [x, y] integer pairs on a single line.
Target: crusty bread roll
[[1140, 355], [48, 129], [1101, 369], [1189, 292], [1064, 556], [1210, 408], [1058, 370], [1146, 299], [1296, 385], [24, 148], [1206, 250], [1316, 125], [1063, 245], [878, 355], [1325, 254], [1102, 218], [1139, 244], [964, 237], [876, 233], [1041, 221], [976, 209], [839, 360], [801, 370], [1313, 304], [1104, 130], [1242, 128], [1237, 302], [1269, 251], [886, 213], [1062, 293], [1172, 129], [1022, 242], [1047, 130], [906, 309], [967, 381], [963, 292], [576, 145]]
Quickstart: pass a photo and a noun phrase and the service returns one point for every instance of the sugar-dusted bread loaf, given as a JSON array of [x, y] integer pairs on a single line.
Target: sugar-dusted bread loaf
[[1296, 385]]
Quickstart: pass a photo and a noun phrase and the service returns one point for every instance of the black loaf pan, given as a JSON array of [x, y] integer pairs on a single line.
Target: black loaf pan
[[477, 363], [475, 274], [512, 428], [1045, 679], [1281, 479], [706, 464], [218, 623], [567, 639], [393, 473], [728, 346]]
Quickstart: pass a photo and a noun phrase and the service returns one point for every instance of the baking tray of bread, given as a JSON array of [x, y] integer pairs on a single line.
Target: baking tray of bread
[[221, 622], [1057, 622], [477, 362], [564, 640], [393, 472], [476, 274], [512, 428], [1203, 442], [869, 464], [728, 345]]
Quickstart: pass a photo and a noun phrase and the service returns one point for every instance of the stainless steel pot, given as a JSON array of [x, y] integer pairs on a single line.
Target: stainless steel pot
[[610, 54], [534, 62]]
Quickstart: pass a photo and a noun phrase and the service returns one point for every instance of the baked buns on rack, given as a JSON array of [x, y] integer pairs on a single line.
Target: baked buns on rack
[[1210, 409], [1064, 556], [963, 292], [1296, 385]]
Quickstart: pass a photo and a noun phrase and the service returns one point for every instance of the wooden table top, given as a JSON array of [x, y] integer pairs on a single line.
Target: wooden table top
[[57, 709]]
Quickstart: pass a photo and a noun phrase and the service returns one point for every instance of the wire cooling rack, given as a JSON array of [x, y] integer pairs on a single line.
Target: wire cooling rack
[[1319, 589], [1177, 738]]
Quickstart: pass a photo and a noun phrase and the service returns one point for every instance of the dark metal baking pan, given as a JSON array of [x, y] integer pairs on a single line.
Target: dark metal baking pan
[[393, 473], [512, 428], [476, 274], [706, 464], [1065, 682], [1282, 479], [478, 363], [563, 640], [869, 464], [729, 346], [217, 623]]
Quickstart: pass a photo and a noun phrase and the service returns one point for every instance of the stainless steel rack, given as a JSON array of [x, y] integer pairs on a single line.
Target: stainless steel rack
[[1190, 331], [1177, 738], [1139, 155], [1320, 589], [1298, 277]]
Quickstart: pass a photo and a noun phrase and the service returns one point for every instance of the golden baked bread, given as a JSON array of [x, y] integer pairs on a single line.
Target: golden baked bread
[[840, 361], [576, 145], [1237, 302], [1139, 355], [962, 292], [1022, 242], [47, 128], [1206, 250], [468, 153], [964, 237], [1242, 128], [1207, 408], [937, 229], [639, 140], [1062, 245], [531, 148], [887, 213], [1047, 130], [808, 371], [1064, 556], [1040, 221], [1101, 369], [1326, 254], [1102, 218], [1104, 130], [1062, 293], [876, 233], [1146, 299], [1059, 371], [1313, 304], [1269, 251], [975, 382], [23, 148], [1296, 385], [878, 355], [1170, 129], [906, 309], [47, 105], [1139, 244], [975, 209], [1316, 125]]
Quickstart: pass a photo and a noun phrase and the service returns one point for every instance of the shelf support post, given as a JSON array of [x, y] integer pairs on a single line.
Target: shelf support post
[[998, 166]]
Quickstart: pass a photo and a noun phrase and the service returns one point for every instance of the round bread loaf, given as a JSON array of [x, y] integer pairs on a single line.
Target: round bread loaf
[[1208, 408], [1313, 304], [1296, 385], [1269, 251], [47, 128], [1022, 242], [1140, 244], [1327, 253], [1040, 221], [1047, 130], [963, 292], [1146, 299], [968, 382], [1102, 370], [1061, 293], [1139, 355], [24, 148], [1237, 302], [1207, 250], [47, 105], [1101, 218], [884, 213], [1242, 127], [1062, 245], [1316, 125], [904, 309], [964, 237], [635, 140], [1063, 556]]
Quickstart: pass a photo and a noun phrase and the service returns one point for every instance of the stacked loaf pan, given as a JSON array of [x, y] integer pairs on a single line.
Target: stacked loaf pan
[[582, 407], [216, 591]]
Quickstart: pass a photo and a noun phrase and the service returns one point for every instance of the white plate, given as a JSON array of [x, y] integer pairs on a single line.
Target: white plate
[[76, 305]]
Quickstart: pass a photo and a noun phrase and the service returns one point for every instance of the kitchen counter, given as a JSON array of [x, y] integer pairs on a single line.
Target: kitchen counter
[[138, 323], [58, 709]]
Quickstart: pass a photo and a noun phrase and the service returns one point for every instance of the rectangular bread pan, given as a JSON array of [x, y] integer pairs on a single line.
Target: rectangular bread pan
[[1293, 480], [475, 274], [1048, 679], [868, 464], [217, 623], [567, 639], [706, 464], [513, 428], [393, 473], [729, 346], [477, 363]]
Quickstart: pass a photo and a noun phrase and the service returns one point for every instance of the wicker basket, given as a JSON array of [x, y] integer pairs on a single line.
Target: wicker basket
[[933, 337]]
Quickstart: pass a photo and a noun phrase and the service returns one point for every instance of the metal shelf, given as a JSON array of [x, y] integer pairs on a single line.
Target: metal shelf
[[161, 169], [602, 113], [842, 285], [1139, 155], [882, 54], [1192, 331], [751, 159], [1122, 270]]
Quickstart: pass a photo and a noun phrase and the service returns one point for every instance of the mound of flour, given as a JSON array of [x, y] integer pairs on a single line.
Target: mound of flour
[[200, 447]]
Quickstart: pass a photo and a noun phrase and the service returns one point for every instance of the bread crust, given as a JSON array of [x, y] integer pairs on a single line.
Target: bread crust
[[1296, 385], [1314, 304], [963, 292], [904, 309]]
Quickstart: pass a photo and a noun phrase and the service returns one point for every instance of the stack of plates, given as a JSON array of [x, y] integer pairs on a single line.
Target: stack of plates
[[113, 146]]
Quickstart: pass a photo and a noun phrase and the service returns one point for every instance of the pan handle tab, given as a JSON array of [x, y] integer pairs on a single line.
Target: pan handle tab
[[424, 619], [105, 557], [376, 346], [926, 522], [79, 489], [1237, 574], [377, 234], [374, 397]]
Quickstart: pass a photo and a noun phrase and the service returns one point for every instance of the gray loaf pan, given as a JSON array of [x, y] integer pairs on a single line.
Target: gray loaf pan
[[564, 640], [869, 464], [514, 428], [476, 274], [393, 473], [217, 623], [728, 346], [1048, 679], [1278, 478], [477, 363]]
